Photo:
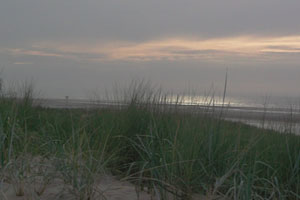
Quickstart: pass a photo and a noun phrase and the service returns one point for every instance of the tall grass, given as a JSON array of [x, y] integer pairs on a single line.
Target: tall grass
[[168, 150]]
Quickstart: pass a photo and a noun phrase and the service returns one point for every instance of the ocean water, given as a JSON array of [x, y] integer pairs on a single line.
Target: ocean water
[[284, 127], [277, 113], [242, 101]]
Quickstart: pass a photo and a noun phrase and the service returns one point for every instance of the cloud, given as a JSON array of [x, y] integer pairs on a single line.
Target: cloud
[[282, 49], [22, 63], [30, 52], [214, 50], [50, 52]]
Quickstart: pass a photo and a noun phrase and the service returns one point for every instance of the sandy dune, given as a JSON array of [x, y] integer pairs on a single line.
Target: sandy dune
[[108, 188]]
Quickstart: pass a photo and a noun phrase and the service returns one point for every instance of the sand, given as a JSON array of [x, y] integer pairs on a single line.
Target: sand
[[20, 180], [109, 188]]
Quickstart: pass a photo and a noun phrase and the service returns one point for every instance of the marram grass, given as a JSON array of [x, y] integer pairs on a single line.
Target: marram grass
[[173, 154]]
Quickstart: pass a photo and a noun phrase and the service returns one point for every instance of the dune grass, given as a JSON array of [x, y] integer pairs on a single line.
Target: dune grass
[[171, 153]]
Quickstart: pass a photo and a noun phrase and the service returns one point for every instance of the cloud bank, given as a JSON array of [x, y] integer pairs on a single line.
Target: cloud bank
[[211, 50]]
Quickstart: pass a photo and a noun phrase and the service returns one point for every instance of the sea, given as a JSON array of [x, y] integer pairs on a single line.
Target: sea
[[276, 113]]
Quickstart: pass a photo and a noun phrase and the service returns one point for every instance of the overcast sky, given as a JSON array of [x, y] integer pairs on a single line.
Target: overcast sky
[[71, 47]]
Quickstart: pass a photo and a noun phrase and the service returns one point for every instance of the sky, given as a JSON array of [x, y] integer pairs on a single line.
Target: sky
[[74, 47]]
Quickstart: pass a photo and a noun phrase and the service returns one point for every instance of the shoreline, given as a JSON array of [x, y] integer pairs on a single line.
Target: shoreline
[[255, 116]]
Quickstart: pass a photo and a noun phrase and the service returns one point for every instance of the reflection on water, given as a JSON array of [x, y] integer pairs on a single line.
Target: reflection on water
[[280, 126], [238, 101], [213, 101]]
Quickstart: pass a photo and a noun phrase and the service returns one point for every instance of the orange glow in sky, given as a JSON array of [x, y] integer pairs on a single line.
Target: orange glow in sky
[[172, 49]]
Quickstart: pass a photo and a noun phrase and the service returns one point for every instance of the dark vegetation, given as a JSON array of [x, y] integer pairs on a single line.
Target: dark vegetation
[[158, 148]]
